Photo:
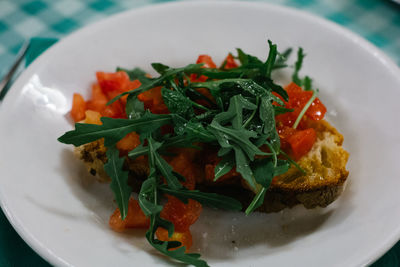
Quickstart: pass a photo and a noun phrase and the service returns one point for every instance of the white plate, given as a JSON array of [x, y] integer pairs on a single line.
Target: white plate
[[63, 215]]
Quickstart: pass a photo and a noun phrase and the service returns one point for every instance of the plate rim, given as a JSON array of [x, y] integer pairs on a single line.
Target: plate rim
[[46, 253]]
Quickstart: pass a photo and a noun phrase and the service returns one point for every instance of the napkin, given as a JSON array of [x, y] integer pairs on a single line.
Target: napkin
[[15, 252]]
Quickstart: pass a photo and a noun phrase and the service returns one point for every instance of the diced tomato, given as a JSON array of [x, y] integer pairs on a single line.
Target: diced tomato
[[301, 142], [180, 214], [293, 87], [134, 219], [207, 63], [230, 62], [298, 98], [115, 110], [285, 133], [99, 99], [92, 117], [129, 142], [316, 111], [184, 166], [113, 81], [289, 118], [184, 237], [78, 107], [153, 100]]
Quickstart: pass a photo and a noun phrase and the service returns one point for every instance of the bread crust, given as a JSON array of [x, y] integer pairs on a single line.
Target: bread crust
[[326, 173]]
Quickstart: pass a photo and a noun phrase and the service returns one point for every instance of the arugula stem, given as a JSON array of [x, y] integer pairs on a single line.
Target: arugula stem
[[252, 114], [256, 199], [199, 106], [293, 162], [274, 153], [304, 110]]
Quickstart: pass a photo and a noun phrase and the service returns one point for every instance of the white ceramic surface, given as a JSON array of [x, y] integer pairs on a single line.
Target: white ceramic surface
[[62, 213]]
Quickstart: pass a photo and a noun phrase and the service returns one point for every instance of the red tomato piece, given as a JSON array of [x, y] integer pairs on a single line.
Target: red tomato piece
[[293, 87], [115, 110], [316, 111], [153, 100], [180, 214], [298, 98], [183, 165], [285, 133], [207, 63], [230, 62], [134, 219], [301, 142], [113, 81], [129, 142], [78, 107], [99, 99]]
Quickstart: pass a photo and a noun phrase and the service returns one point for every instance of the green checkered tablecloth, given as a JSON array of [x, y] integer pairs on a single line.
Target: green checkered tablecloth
[[376, 20]]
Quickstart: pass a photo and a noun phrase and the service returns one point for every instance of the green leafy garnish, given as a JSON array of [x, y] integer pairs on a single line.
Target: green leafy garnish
[[119, 179], [306, 82], [113, 130], [239, 122]]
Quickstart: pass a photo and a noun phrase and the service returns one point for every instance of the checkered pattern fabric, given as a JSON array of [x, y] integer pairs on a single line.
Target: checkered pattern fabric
[[376, 20]]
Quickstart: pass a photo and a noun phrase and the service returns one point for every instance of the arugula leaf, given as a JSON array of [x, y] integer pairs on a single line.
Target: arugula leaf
[[146, 197], [160, 68], [114, 130], [138, 151], [297, 67], [192, 129], [243, 167], [306, 82], [224, 166], [257, 201], [269, 64], [191, 68], [267, 115], [265, 170], [119, 179], [209, 199], [177, 103], [134, 108], [178, 254], [247, 59], [282, 58], [235, 111], [241, 137], [164, 168]]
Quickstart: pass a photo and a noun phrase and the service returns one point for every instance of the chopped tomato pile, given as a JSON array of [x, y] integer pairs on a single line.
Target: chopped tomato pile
[[297, 142]]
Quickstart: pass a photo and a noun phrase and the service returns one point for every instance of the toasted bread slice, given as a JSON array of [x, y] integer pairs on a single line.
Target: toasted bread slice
[[325, 167]]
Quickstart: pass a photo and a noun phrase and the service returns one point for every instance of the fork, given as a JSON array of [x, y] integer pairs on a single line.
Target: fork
[[8, 78]]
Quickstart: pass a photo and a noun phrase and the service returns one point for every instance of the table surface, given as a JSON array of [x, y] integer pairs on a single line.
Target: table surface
[[376, 20]]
